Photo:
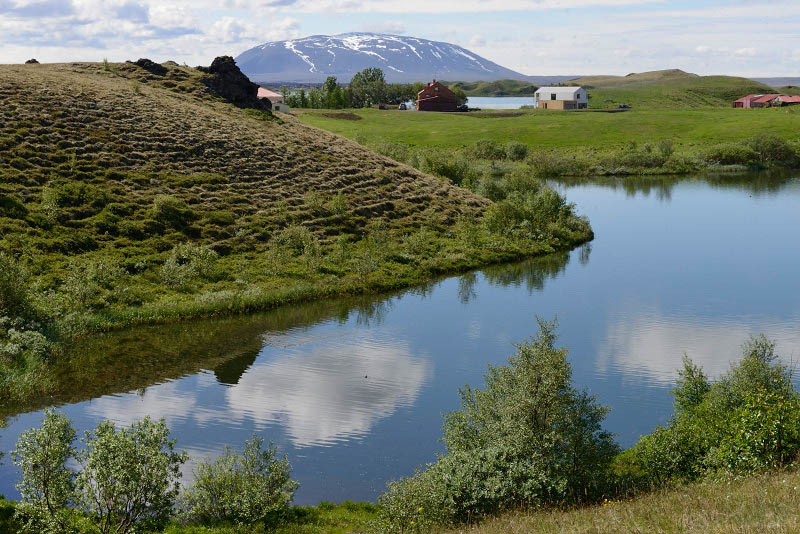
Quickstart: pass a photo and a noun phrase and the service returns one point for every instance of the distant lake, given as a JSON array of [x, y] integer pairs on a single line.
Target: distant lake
[[353, 389], [499, 102]]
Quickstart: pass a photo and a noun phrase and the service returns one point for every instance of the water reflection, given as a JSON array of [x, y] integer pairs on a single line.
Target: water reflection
[[648, 345], [324, 393], [756, 183]]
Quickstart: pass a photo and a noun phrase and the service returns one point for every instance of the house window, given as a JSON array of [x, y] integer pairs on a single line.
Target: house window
[[552, 96], [537, 95]]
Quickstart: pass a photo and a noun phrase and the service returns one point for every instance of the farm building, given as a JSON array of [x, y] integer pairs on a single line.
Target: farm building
[[561, 98], [274, 97], [436, 97], [766, 101]]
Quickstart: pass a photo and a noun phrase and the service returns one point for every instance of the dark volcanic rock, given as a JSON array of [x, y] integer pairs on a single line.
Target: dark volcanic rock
[[223, 78], [31, 62], [150, 66]]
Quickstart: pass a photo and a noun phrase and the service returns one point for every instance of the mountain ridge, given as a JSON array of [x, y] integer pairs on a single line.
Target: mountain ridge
[[402, 58]]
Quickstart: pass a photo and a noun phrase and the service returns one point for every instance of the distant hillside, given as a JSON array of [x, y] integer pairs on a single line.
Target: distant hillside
[[670, 92], [402, 59], [612, 81], [779, 82], [497, 88]]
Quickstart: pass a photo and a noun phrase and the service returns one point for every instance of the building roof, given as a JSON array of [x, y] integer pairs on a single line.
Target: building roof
[[766, 98], [562, 93], [748, 97], [266, 93], [790, 98]]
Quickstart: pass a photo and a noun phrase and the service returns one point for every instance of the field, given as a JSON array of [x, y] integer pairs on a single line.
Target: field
[[688, 129]]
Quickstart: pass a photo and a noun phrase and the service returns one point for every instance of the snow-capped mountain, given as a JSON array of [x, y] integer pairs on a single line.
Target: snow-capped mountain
[[402, 59]]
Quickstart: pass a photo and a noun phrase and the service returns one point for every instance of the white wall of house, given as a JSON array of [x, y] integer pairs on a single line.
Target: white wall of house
[[578, 94]]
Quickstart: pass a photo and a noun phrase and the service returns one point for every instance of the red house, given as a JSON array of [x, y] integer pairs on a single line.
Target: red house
[[745, 102], [436, 97]]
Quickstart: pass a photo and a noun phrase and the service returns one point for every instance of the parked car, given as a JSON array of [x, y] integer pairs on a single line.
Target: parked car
[[623, 106], [462, 107], [402, 107], [382, 106]]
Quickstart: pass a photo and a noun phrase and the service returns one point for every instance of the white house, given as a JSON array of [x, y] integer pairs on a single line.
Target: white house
[[561, 98]]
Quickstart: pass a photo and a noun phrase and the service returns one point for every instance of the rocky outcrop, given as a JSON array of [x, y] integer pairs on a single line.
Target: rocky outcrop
[[150, 66], [224, 79], [31, 62]]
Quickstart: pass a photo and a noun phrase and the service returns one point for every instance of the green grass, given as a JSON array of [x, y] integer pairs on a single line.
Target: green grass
[[688, 129], [759, 504]]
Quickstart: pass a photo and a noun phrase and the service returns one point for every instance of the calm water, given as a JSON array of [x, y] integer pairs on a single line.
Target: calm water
[[500, 102], [353, 390]]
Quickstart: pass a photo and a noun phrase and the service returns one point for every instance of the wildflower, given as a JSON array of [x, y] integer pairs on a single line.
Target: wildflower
[[412, 522], [419, 509]]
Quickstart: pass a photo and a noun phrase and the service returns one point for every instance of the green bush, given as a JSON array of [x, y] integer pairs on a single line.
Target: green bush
[[516, 151], [90, 284], [548, 164], [297, 239], [749, 420], [732, 154], [47, 488], [172, 211], [127, 480], [245, 489], [527, 439], [486, 149], [454, 167], [14, 291], [528, 214], [129, 477], [188, 262], [772, 149]]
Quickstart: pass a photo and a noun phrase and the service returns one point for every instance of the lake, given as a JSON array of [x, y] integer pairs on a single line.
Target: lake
[[353, 389], [499, 102]]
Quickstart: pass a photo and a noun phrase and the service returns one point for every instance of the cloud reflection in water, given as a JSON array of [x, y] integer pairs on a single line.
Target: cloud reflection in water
[[336, 391]]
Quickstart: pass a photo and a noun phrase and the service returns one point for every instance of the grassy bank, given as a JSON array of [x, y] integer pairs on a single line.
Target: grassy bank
[[131, 197], [761, 503]]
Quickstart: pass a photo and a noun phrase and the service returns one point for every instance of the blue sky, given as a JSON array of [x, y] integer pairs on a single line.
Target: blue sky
[[536, 37]]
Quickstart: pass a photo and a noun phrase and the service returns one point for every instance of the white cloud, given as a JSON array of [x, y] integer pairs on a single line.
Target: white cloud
[[394, 27]]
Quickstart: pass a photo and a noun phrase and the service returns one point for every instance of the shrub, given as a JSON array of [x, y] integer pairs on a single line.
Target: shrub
[[732, 154], [129, 477], [528, 438], [772, 149], [172, 211], [516, 151], [88, 285], [547, 164], [186, 263], [454, 167], [748, 420], [14, 292], [529, 214], [396, 151], [248, 488], [47, 489], [59, 195], [666, 148], [486, 149], [296, 238]]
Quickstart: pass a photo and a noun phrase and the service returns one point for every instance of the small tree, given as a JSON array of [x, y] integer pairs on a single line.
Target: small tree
[[47, 489], [129, 480], [248, 488]]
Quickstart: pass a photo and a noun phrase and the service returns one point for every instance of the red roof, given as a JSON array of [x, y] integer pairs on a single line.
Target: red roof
[[765, 98], [792, 99], [748, 97]]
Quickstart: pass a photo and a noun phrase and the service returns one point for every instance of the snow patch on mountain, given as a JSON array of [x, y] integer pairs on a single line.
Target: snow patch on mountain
[[402, 58]]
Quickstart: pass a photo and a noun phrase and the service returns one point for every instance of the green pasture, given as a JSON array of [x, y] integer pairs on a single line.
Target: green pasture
[[557, 129]]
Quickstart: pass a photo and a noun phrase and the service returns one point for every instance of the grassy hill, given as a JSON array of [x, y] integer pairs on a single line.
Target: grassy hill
[[128, 197], [634, 77], [667, 89], [496, 88]]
